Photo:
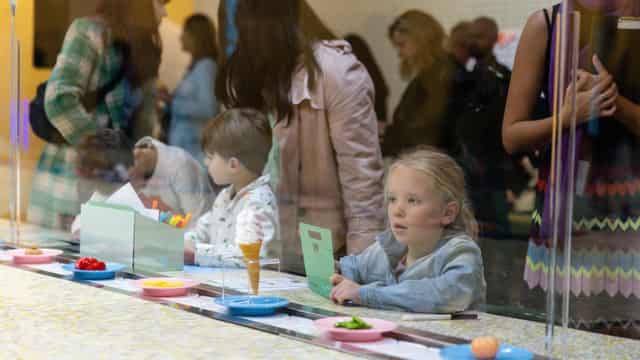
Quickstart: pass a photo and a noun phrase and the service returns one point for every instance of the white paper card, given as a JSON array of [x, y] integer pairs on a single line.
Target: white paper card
[[128, 196]]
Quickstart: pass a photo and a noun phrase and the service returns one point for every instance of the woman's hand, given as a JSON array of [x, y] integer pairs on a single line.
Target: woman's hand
[[606, 100], [344, 290], [595, 97]]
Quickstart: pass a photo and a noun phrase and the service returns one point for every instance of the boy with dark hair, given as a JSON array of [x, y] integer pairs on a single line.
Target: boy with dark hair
[[237, 145]]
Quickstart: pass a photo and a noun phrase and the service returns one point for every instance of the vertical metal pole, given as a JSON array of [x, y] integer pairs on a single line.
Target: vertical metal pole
[[556, 167], [15, 129], [575, 50]]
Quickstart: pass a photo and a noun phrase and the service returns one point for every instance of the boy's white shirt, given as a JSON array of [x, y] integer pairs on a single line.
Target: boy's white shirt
[[250, 216], [179, 181]]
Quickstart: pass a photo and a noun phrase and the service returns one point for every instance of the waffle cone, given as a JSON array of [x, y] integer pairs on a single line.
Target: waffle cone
[[251, 253]]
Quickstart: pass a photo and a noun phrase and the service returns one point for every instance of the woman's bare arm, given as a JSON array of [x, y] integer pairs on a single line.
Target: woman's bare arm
[[519, 131]]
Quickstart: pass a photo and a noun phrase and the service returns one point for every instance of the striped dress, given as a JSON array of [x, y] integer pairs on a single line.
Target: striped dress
[[84, 65], [605, 257]]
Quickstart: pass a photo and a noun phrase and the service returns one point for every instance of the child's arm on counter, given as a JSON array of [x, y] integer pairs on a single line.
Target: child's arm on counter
[[451, 291], [354, 267]]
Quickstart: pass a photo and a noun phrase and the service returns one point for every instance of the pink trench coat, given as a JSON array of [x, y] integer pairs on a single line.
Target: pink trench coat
[[331, 170]]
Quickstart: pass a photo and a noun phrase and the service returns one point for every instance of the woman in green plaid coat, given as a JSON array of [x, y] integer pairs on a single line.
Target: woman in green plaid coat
[[122, 39]]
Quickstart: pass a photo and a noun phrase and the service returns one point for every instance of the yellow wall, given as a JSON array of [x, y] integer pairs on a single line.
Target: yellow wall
[[31, 77], [178, 10]]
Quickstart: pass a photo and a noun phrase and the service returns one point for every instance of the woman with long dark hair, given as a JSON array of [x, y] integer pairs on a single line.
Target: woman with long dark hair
[[194, 100], [120, 45], [321, 101]]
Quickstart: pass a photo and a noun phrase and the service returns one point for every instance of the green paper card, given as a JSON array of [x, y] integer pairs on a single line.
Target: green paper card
[[317, 249]]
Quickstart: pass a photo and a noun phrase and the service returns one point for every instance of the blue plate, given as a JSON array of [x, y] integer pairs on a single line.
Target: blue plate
[[505, 352], [109, 273], [252, 305]]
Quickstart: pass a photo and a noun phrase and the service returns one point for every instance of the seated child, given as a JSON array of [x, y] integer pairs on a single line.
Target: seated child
[[107, 160], [171, 176], [237, 144], [427, 261]]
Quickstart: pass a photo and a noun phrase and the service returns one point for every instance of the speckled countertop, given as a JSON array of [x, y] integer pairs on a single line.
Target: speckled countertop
[[579, 345], [47, 318], [43, 317]]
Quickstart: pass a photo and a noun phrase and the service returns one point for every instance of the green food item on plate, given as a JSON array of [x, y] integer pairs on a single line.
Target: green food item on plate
[[355, 324]]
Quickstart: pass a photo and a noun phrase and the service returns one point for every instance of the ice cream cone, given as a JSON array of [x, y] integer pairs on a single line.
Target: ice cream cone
[[251, 253]]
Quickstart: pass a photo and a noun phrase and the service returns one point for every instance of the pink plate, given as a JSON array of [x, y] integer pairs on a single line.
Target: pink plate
[[340, 334], [20, 258], [166, 292]]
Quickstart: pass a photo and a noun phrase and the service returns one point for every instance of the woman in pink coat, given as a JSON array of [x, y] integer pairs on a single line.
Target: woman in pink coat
[[327, 160]]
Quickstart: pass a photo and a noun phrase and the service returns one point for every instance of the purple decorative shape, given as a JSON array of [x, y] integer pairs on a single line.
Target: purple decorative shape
[[25, 124], [13, 121]]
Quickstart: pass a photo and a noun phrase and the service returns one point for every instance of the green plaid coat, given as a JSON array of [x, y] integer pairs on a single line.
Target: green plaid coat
[[84, 65]]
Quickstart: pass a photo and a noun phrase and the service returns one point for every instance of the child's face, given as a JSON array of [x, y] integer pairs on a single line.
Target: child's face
[[220, 169], [417, 213]]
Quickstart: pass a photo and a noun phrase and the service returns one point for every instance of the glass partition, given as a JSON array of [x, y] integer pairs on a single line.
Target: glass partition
[[597, 251], [169, 133]]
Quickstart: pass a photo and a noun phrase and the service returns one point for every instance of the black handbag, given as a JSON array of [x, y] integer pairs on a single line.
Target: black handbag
[[40, 123]]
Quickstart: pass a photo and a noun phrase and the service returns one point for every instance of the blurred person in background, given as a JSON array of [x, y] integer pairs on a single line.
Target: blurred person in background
[[119, 45], [419, 117], [194, 102]]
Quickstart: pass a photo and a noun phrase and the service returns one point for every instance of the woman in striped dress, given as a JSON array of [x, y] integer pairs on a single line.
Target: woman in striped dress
[[605, 254]]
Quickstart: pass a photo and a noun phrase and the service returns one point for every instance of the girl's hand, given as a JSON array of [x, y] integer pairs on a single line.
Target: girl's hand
[[344, 290], [336, 279]]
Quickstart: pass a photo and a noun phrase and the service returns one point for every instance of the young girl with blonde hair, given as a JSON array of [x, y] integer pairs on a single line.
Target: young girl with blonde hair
[[427, 261]]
